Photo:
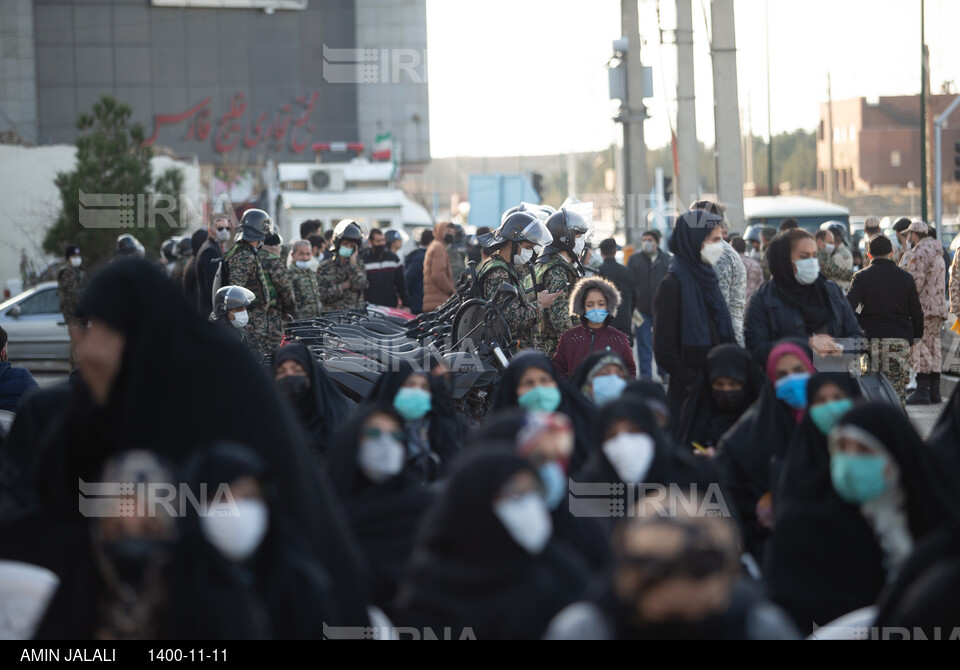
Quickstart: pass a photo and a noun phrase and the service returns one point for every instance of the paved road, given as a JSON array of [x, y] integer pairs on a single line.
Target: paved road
[[924, 418]]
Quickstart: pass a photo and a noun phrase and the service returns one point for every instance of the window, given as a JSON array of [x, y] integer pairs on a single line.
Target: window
[[42, 302], [894, 158], [853, 133]]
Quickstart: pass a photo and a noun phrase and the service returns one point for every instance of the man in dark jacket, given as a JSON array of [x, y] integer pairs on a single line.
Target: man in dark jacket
[[625, 282], [888, 309], [413, 273], [649, 267], [14, 382], [387, 286], [208, 260]]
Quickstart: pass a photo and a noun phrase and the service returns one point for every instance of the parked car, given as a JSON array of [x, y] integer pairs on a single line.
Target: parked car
[[35, 325]]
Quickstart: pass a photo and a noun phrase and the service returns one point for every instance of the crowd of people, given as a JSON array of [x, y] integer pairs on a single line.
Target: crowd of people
[[724, 370]]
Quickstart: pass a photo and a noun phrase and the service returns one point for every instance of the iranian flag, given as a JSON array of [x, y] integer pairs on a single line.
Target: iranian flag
[[383, 147]]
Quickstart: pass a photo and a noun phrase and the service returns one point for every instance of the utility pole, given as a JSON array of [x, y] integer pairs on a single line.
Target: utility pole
[[769, 123], [634, 147], [830, 191], [923, 115], [687, 186], [729, 164]]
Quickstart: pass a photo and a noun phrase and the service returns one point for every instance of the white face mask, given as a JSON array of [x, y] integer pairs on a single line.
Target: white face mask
[[76, 261], [381, 458], [630, 454], [579, 246], [524, 256], [223, 235], [313, 264], [808, 270], [830, 248], [527, 520], [240, 320], [711, 253], [303, 265], [648, 248], [238, 537]]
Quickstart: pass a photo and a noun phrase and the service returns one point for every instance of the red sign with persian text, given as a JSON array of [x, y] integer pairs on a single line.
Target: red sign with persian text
[[288, 128]]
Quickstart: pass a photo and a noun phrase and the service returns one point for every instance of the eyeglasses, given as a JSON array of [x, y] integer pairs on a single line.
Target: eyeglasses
[[221, 229]]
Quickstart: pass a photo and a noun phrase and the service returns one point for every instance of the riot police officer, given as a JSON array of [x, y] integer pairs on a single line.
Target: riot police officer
[[556, 270], [343, 278], [128, 246], [511, 246], [230, 309], [242, 267]]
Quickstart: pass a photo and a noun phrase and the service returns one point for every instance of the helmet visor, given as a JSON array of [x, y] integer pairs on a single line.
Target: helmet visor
[[537, 233]]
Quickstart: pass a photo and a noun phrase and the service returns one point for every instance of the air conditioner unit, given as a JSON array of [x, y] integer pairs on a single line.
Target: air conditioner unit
[[327, 180]]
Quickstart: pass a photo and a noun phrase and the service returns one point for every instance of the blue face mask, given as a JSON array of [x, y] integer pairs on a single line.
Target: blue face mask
[[554, 484], [413, 404], [597, 315], [858, 478], [828, 415], [792, 390], [541, 399], [303, 265], [345, 252], [608, 388]]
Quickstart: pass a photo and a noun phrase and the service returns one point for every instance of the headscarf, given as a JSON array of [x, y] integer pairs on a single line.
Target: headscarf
[[173, 355], [582, 377], [944, 441], [812, 301], [652, 394], [324, 408], [446, 428], [572, 402], [746, 450], [467, 571], [701, 420], [823, 559], [795, 347], [383, 516], [700, 296], [280, 584]]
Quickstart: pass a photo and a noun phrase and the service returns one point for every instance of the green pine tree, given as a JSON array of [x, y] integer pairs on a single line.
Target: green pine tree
[[112, 159]]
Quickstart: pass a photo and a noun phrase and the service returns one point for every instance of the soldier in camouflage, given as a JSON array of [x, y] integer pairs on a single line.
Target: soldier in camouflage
[[557, 270], [70, 282], [343, 278], [510, 246], [242, 267], [456, 254], [828, 267], [306, 288], [184, 254], [280, 288], [230, 309]]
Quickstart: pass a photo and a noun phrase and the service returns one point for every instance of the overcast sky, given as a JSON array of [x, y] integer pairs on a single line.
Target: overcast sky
[[528, 76]]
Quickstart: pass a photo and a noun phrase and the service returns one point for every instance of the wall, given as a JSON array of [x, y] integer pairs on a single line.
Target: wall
[[31, 201], [18, 85]]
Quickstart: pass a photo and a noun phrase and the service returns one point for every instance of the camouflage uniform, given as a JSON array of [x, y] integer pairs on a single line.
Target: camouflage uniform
[[458, 263], [891, 356], [70, 282], [306, 290], [832, 271], [521, 316], [333, 272], [243, 268], [554, 275], [732, 274], [925, 263], [284, 307]]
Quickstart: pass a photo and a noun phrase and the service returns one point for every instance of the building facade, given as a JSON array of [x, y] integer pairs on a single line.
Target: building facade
[[877, 144]]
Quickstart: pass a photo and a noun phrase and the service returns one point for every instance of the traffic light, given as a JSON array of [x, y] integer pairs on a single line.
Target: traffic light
[[537, 180], [667, 190], [956, 161]]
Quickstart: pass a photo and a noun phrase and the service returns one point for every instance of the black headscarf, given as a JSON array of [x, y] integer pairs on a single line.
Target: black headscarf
[[468, 572], [927, 502], [173, 355], [944, 441], [572, 402], [701, 420], [823, 559], [811, 301], [190, 271], [582, 534], [447, 430], [284, 592], [323, 407], [384, 517], [700, 295], [745, 454]]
